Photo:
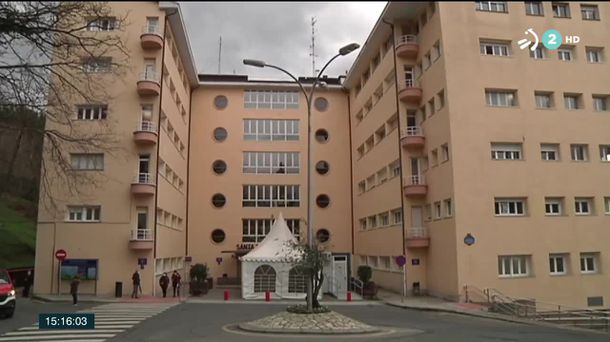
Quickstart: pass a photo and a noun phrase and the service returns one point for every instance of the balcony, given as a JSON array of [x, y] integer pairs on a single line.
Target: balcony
[[141, 239], [143, 185], [407, 46], [145, 133], [412, 137], [415, 186], [417, 237], [409, 91], [148, 84], [151, 37]]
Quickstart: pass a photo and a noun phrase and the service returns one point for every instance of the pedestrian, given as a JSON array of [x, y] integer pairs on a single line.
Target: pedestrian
[[176, 278], [74, 289], [136, 284], [27, 283], [164, 283]]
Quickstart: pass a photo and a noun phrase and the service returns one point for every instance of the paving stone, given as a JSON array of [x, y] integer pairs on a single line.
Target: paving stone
[[323, 323]]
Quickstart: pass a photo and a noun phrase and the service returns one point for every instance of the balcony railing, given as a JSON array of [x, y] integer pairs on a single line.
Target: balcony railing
[[144, 178], [412, 131], [149, 76], [409, 83], [142, 235], [417, 233], [407, 39], [151, 29], [146, 126], [416, 180]]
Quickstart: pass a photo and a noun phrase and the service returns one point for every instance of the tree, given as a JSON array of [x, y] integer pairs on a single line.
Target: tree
[[311, 263], [49, 55]]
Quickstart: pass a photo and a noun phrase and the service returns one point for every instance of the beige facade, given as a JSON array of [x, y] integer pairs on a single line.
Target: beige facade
[[443, 130]]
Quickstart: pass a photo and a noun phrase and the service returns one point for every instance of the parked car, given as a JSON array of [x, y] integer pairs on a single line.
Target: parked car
[[8, 300]]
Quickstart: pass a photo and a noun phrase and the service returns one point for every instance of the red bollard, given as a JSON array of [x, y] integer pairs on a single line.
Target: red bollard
[[226, 295], [349, 296], [267, 296]]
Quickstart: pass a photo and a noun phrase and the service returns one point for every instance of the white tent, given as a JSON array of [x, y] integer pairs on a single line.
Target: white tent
[[269, 266]]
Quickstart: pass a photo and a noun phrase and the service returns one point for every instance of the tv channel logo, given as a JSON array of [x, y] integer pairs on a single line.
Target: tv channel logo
[[551, 39]]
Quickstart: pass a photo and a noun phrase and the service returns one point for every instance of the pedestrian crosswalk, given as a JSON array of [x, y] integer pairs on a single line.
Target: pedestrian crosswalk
[[110, 320]]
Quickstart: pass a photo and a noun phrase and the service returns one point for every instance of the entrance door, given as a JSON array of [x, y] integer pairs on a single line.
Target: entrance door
[[416, 217], [339, 283]]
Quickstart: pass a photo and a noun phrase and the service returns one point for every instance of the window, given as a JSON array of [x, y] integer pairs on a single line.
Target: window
[[589, 12], [271, 130], [296, 281], [506, 151], [583, 206], [264, 279], [492, 6], [271, 99], [102, 24], [549, 151], [588, 263], [219, 200], [92, 112], [93, 161], [372, 261], [538, 53], [220, 134], [534, 8], [544, 100], [553, 206], [496, 98], [428, 212], [218, 235], [509, 207], [322, 167], [397, 216], [395, 169], [561, 10], [600, 103], [607, 205], [495, 48], [101, 64], [372, 221], [434, 157], [323, 201], [572, 101], [440, 100], [604, 152], [321, 136], [384, 262], [437, 210], [448, 208], [271, 163], [361, 187], [594, 54], [152, 25], [382, 175], [362, 224], [384, 219], [579, 152], [557, 264], [445, 152], [255, 230], [271, 196], [84, 213], [513, 265], [565, 54], [370, 182]]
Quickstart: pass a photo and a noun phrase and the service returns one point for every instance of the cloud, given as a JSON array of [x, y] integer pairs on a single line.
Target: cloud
[[278, 33]]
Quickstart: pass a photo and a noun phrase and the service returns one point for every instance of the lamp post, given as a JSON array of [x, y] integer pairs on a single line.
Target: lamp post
[[347, 49]]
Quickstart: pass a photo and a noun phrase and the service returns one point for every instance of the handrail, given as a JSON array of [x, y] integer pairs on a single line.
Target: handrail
[[151, 28], [416, 180], [407, 39], [411, 131], [147, 126], [141, 235], [144, 178], [149, 76], [357, 283], [417, 233]]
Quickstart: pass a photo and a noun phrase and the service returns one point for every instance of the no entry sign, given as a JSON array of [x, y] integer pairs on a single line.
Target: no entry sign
[[401, 260], [60, 254]]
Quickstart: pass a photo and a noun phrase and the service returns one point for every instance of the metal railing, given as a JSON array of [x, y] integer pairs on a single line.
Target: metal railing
[[412, 131], [416, 180], [407, 39], [146, 126], [417, 233], [151, 28], [357, 286], [149, 76], [142, 235], [144, 178]]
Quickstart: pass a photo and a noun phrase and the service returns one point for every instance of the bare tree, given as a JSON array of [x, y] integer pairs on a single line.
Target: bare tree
[[53, 57], [310, 262]]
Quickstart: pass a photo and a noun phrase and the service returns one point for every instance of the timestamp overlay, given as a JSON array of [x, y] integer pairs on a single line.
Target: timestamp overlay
[[65, 321]]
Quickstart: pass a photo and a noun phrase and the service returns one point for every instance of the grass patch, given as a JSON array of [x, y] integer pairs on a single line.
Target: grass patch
[[17, 234]]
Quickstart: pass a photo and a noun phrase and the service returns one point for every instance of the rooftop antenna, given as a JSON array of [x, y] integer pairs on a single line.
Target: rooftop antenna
[[219, 53], [313, 47]]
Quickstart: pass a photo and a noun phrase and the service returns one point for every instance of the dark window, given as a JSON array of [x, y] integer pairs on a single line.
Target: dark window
[[264, 279], [218, 235], [220, 134], [321, 104], [221, 102], [323, 201], [322, 135], [296, 281], [219, 167], [322, 235], [322, 167], [219, 200]]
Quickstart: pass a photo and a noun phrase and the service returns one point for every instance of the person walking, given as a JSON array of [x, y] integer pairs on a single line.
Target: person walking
[[164, 283], [27, 283], [136, 284], [74, 289], [176, 278]]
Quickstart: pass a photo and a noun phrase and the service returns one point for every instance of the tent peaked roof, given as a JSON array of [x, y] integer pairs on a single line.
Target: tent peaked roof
[[277, 246]]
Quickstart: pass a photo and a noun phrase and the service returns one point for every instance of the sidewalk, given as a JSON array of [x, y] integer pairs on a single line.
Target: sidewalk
[[66, 298]]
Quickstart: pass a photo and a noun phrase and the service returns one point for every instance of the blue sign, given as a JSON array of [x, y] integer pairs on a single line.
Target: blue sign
[[401, 260], [85, 268], [56, 321], [469, 239]]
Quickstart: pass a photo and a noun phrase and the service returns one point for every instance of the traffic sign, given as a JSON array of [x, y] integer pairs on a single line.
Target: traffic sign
[[60, 254], [401, 260]]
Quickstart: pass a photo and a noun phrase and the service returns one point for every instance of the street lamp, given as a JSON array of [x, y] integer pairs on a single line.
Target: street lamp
[[347, 49]]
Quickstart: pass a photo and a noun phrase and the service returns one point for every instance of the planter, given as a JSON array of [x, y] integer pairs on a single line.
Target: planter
[[210, 283], [369, 291], [198, 288]]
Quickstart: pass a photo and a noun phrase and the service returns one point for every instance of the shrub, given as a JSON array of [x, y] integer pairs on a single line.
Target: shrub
[[302, 309], [365, 273], [199, 272]]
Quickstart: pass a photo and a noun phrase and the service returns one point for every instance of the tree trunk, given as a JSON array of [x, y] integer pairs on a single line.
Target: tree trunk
[[11, 164], [316, 289]]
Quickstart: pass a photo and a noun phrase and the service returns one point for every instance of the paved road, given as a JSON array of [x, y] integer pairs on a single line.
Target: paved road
[[205, 322]]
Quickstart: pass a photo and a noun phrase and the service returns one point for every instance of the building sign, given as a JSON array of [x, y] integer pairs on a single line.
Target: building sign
[[85, 268], [246, 246], [415, 262]]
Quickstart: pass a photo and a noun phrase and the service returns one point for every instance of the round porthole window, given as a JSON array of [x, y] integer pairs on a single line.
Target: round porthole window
[[219, 167], [218, 235], [220, 134], [323, 201], [323, 235], [322, 167], [321, 104], [322, 135], [221, 102], [219, 200]]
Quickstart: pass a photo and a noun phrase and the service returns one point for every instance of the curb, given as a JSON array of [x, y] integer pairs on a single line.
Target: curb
[[253, 328], [61, 300], [497, 318]]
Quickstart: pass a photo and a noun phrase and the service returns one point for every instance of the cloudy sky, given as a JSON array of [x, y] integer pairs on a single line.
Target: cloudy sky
[[278, 33]]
